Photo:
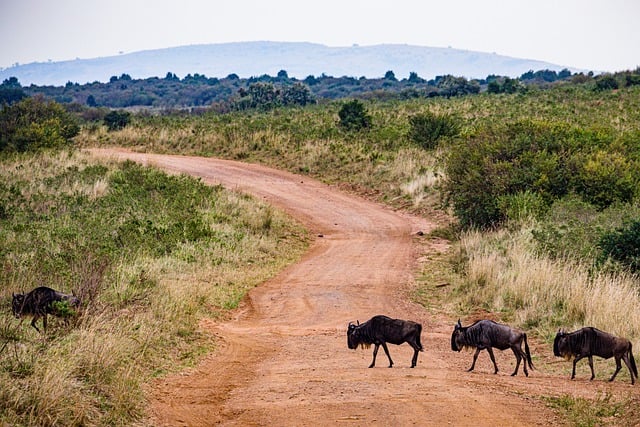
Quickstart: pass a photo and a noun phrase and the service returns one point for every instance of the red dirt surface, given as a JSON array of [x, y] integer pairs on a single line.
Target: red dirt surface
[[283, 358]]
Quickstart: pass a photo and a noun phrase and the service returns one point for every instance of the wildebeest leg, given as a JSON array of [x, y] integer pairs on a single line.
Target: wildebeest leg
[[517, 352], [414, 360], [618, 367], [34, 320], [573, 372], [375, 353], [386, 350], [475, 357], [593, 374], [493, 359]]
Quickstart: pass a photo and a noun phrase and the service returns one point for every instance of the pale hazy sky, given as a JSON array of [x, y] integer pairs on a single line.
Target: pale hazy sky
[[588, 34]]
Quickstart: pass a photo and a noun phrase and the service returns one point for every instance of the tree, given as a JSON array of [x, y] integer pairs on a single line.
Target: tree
[[414, 78], [353, 116], [11, 91], [389, 75]]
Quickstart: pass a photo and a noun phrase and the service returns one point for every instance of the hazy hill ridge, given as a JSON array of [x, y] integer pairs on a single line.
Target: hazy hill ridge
[[248, 59]]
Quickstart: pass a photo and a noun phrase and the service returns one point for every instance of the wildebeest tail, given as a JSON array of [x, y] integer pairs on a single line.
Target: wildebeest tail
[[527, 352], [419, 329], [632, 360]]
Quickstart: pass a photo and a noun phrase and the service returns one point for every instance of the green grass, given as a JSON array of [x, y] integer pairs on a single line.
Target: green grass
[[149, 255]]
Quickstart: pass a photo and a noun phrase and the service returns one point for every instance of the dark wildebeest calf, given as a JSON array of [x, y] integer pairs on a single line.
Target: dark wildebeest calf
[[486, 334], [380, 330], [38, 303], [589, 342]]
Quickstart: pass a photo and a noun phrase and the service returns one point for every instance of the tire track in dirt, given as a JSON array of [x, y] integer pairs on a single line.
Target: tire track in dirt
[[284, 359]]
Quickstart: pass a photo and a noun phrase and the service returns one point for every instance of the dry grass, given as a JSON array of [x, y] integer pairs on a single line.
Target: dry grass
[[504, 275]]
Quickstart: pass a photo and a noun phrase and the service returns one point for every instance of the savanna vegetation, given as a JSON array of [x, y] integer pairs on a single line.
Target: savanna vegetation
[[537, 190]]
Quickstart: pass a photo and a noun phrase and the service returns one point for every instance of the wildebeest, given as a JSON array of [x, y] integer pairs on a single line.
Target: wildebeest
[[38, 303], [589, 342], [380, 330], [487, 334]]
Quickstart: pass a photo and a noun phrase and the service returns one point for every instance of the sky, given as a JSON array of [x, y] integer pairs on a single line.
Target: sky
[[584, 34]]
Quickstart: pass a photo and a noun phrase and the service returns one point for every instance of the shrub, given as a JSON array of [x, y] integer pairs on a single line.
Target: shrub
[[606, 177], [34, 123], [353, 116], [606, 82], [116, 120], [425, 129], [623, 246]]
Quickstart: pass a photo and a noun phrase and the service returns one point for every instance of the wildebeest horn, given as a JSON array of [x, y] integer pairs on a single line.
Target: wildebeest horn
[[459, 324], [358, 322]]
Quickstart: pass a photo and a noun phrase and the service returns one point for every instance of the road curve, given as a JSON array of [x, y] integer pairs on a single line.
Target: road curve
[[284, 360]]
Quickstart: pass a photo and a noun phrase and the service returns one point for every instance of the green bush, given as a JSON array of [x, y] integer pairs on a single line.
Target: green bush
[[623, 246], [34, 123], [116, 120], [546, 158], [353, 116], [606, 177], [425, 129], [606, 82]]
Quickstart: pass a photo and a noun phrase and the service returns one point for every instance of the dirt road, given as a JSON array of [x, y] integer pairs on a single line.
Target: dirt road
[[283, 359]]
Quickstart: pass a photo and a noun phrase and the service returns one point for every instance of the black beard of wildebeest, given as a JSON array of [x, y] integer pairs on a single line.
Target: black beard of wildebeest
[[589, 342], [37, 303], [485, 334], [380, 330]]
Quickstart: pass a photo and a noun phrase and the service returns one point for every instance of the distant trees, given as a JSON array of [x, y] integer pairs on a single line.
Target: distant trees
[[265, 96], [11, 91], [389, 75]]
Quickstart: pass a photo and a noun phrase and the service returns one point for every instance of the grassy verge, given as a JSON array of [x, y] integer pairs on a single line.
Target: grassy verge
[[149, 254]]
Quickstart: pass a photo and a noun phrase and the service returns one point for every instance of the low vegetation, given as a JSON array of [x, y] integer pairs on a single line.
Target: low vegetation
[[537, 191], [148, 254]]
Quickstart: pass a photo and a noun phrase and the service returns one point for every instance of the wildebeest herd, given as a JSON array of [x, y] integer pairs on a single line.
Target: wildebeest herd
[[380, 330], [487, 335]]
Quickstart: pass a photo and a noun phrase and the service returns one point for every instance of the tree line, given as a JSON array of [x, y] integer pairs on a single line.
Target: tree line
[[235, 93]]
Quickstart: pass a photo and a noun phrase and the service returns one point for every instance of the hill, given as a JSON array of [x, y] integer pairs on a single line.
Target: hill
[[247, 59]]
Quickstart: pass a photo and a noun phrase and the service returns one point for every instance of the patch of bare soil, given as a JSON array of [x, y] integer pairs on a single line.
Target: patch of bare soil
[[283, 358]]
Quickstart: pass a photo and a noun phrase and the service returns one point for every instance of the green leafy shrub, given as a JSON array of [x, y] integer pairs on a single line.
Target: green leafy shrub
[[116, 120], [623, 246], [425, 129], [34, 123], [606, 82], [605, 177], [353, 116]]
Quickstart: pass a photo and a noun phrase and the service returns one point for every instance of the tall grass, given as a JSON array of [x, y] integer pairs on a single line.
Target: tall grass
[[110, 233], [503, 274]]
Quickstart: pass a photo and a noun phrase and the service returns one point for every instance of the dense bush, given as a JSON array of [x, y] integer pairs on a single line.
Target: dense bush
[[354, 116], [547, 158], [116, 120], [425, 129], [34, 123], [623, 246]]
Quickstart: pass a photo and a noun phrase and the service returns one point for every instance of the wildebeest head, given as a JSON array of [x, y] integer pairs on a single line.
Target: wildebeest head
[[16, 305], [455, 337], [353, 336], [558, 343]]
